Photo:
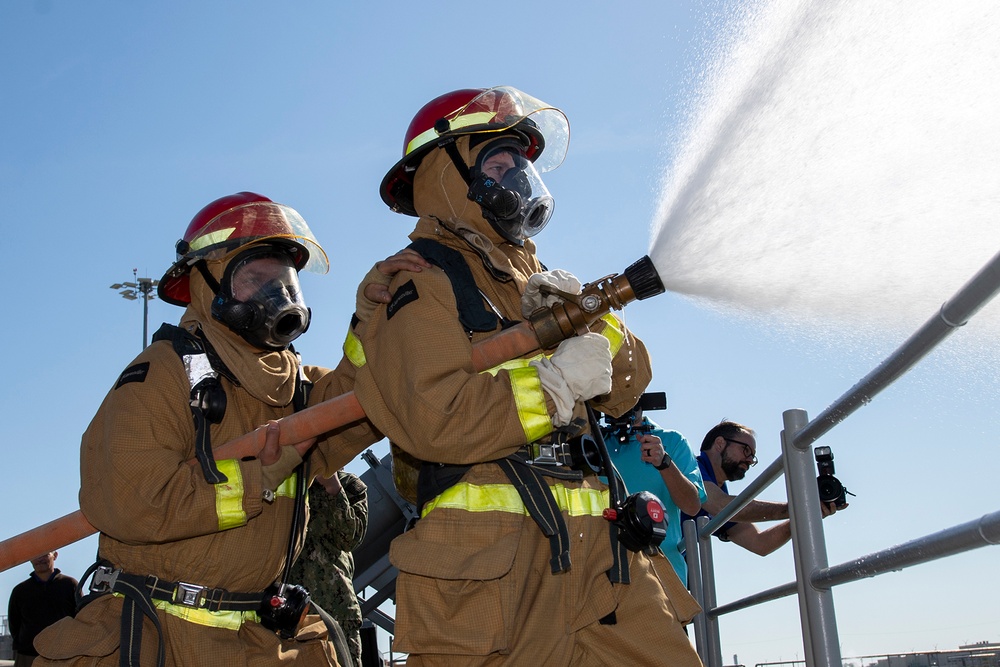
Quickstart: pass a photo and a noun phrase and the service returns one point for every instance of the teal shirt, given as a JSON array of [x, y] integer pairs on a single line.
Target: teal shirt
[[641, 476]]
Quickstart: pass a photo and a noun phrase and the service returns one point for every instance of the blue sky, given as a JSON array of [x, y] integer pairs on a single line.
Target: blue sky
[[119, 120]]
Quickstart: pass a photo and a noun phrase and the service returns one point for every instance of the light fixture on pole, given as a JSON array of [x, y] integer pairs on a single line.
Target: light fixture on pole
[[140, 288]]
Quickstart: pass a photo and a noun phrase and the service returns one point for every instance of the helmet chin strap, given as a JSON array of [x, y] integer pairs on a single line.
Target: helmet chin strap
[[210, 280], [463, 169]]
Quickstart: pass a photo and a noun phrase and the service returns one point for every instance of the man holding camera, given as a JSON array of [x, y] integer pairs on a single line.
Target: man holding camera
[[652, 459], [728, 451]]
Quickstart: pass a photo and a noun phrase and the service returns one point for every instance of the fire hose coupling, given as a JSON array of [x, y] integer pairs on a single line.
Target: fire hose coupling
[[576, 312]]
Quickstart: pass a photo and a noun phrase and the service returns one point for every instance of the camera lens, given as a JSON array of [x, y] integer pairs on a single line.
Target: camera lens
[[830, 489]]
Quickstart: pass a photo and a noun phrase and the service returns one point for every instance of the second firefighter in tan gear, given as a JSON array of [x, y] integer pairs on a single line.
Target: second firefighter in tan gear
[[479, 583], [188, 542]]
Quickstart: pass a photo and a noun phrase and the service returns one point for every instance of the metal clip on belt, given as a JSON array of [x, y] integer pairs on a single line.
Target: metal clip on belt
[[140, 591]]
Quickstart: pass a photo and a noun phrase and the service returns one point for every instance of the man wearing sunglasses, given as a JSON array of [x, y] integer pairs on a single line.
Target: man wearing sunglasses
[[728, 451]]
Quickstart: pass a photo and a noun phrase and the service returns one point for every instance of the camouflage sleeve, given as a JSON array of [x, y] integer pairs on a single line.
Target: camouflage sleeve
[[357, 497], [338, 522]]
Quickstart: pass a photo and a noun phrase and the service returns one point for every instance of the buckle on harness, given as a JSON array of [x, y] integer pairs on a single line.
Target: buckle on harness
[[548, 454], [104, 579], [568, 447], [189, 595]]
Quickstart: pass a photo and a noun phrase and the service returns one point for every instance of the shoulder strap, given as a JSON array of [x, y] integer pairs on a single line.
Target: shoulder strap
[[208, 398], [473, 315]]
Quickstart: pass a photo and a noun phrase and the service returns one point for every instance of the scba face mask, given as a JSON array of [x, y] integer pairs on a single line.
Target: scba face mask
[[260, 298], [510, 191]]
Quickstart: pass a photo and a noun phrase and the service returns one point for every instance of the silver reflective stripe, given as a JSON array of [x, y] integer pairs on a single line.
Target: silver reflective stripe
[[198, 367]]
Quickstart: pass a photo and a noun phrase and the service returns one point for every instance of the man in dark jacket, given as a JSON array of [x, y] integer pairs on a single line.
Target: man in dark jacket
[[38, 602]]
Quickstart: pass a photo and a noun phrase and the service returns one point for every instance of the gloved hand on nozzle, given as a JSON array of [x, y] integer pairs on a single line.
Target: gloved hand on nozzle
[[533, 299], [578, 370]]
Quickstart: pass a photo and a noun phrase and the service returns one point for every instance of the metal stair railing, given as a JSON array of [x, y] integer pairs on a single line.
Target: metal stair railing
[[814, 577]]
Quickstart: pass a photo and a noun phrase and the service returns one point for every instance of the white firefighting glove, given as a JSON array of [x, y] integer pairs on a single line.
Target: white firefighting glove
[[533, 299], [579, 369]]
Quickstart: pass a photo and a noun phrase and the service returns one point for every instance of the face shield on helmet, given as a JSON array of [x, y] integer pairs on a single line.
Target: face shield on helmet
[[260, 298], [508, 188], [231, 223], [488, 112]]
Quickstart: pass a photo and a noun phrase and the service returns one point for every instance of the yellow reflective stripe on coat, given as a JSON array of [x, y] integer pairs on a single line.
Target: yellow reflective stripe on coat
[[532, 410], [229, 496], [287, 488], [614, 333], [513, 363], [354, 350], [227, 620], [504, 498]]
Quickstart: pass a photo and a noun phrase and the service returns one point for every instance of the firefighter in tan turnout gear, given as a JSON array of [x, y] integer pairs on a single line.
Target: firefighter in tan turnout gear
[[192, 558], [511, 561]]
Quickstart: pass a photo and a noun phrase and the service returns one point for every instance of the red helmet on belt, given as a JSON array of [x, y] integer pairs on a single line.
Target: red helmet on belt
[[230, 223], [476, 111]]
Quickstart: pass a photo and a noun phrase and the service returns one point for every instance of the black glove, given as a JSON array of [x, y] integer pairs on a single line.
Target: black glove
[[353, 486]]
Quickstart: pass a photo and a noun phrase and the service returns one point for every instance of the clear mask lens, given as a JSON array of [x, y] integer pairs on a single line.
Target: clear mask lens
[[511, 191], [264, 303]]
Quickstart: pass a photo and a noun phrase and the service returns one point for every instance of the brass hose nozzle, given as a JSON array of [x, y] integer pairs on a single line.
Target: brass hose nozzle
[[574, 315]]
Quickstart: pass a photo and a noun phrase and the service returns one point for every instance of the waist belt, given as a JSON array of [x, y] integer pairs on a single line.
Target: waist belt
[[139, 591]]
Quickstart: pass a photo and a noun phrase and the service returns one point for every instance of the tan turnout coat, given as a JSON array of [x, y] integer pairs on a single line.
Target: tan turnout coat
[[157, 515], [476, 586]]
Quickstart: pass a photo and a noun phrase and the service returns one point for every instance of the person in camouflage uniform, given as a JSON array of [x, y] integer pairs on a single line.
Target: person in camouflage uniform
[[338, 510]]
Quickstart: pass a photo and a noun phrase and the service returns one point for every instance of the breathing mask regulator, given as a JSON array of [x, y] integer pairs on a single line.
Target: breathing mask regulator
[[509, 190], [260, 298]]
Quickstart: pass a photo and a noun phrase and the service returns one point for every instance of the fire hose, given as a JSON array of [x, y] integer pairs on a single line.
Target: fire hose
[[545, 328]]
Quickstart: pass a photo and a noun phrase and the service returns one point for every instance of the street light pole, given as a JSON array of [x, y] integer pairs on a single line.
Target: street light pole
[[140, 288]]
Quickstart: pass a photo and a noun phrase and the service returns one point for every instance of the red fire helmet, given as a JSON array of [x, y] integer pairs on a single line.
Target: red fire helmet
[[476, 111], [230, 223]]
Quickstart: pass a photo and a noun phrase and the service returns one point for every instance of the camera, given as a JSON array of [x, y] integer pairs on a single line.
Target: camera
[[830, 488], [282, 608], [631, 423]]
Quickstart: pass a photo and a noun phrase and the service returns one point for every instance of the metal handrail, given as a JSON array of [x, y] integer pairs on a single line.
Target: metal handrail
[[814, 577]]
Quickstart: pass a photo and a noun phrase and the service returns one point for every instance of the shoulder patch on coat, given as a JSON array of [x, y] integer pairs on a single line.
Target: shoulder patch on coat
[[406, 293], [135, 373]]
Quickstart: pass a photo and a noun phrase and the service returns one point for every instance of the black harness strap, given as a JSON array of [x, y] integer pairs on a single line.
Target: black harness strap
[[208, 399], [452, 150], [472, 314], [137, 604], [139, 592], [542, 507]]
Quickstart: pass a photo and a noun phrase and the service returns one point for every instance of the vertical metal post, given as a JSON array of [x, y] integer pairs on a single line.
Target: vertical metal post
[[713, 643], [819, 623], [146, 288], [696, 585]]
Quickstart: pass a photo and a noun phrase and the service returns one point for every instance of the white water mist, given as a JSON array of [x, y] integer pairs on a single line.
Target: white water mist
[[840, 164]]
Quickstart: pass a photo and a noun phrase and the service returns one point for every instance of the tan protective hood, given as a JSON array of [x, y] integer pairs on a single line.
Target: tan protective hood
[[440, 197], [440, 192], [267, 375]]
